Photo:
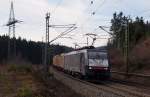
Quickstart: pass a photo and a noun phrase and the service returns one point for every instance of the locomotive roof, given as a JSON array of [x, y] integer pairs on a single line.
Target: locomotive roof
[[86, 50]]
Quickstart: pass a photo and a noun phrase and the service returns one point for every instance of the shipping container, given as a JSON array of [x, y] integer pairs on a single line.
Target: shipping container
[[58, 61]]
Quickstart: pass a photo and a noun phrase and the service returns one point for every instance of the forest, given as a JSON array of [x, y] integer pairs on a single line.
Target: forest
[[138, 36], [137, 33], [29, 50], [137, 28]]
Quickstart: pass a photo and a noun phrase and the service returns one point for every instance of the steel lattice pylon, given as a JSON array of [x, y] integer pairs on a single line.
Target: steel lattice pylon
[[46, 41], [11, 30]]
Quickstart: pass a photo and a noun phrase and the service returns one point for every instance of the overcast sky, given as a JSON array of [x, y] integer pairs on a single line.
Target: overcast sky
[[32, 12]]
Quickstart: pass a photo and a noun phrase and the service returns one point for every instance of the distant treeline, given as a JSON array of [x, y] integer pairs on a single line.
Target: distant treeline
[[29, 50], [138, 29]]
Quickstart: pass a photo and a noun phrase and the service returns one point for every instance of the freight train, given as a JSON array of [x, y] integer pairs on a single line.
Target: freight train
[[86, 63]]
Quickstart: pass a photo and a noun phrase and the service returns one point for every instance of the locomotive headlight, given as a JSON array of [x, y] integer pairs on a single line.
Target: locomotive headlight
[[90, 67]]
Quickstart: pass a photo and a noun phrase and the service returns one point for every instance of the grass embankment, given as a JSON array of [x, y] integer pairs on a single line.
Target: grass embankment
[[24, 81], [16, 81]]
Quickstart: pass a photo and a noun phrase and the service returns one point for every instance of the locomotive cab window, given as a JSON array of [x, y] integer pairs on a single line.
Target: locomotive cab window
[[98, 59]]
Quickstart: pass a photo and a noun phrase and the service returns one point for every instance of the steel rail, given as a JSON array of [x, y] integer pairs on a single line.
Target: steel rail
[[109, 88]]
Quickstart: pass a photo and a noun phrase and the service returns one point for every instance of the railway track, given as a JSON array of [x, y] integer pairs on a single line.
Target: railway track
[[131, 78], [137, 91], [103, 89], [131, 74], [126, 87], [136, 86]]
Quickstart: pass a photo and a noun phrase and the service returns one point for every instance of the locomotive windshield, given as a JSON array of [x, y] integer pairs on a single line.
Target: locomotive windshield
[[98, 59]]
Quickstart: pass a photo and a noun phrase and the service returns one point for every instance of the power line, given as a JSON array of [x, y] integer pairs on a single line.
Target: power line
[[86, 19], [70, 27], [94, 12]]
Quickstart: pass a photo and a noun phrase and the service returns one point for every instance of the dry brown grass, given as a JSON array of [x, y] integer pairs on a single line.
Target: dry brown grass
[[15, 84], [20, 83], [139, 58]]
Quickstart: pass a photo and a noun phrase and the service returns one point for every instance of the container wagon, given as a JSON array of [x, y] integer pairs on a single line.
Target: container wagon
[[58, 62]]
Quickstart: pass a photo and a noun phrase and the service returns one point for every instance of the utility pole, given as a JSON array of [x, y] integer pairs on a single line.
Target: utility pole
[[126, 51], [70, 27], [11, 30], [46, 42], [87, 41], [42, 47]]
